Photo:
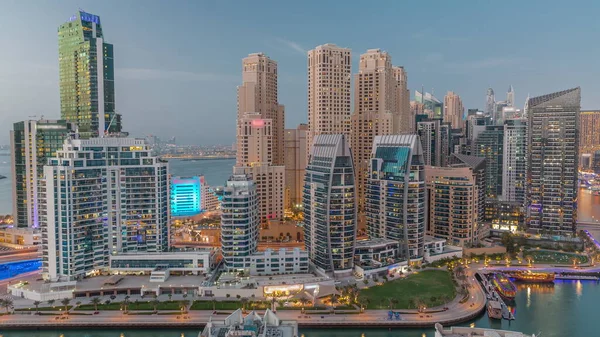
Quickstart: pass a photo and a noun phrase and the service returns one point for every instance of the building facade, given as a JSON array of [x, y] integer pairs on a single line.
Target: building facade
[[395, 197], [258, 94], [453, 110], [186, 196], [553, 161], [240, 222], [514, 167], [329, 205], [295, 165], [404, 119], [329, 76], [87, 76], [99, 197], [589, 131], [490, 145], [431, 141], [490, 103], [32, 143]]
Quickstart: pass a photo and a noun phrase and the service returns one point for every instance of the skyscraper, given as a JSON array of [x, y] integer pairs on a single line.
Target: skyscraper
[[32, 143], [589, 131], [431, 105], [490, 145], [87, 77], [514, 167], [490, 103], [258, 94], [329, 205], [295, 165], [453, 110], [99, 197], [375, 102], [260, 134], [395, 197], [430, 137], [329, 72], [510, 96], [553, 164], [240, 222], [404, 119]]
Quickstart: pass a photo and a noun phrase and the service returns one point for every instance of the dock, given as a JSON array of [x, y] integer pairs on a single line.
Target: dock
[[491, 294]]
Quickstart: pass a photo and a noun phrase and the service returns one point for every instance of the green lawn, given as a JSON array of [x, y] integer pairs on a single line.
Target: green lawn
[[167, 305], [431, 287], [551, 257]]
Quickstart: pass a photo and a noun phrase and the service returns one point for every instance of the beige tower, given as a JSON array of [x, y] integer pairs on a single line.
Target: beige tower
[[375, 89], [453, 110], [260, 134], [295, 165], [404, 119], [258, 93], [329, 71]]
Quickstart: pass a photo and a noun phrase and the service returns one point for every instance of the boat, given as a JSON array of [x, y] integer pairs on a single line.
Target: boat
[[504, 286], [494, 309], [2, 177], [534, 277]]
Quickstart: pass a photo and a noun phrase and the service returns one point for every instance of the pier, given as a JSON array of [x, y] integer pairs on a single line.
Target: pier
[[491, 294]]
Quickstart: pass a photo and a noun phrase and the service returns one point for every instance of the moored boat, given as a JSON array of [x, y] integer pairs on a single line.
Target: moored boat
[[534, 277], [494, 309], [504, 286]]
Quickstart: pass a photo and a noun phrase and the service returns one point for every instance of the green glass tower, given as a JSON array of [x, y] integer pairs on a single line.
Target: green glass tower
[[87, 76]]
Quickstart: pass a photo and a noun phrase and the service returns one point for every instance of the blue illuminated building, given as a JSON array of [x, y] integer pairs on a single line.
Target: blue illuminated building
[[186, 196], [12, 269]]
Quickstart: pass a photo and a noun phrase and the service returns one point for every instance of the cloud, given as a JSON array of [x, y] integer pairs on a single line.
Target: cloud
[[293, 45], [172, 75]]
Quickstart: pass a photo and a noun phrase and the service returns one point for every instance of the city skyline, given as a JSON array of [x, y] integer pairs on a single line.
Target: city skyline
[[158, 63]]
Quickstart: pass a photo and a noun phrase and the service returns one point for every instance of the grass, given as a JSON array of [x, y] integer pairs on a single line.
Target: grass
[[167, 305], [431, 287], [230, 305], [32, 309], [551, 257]]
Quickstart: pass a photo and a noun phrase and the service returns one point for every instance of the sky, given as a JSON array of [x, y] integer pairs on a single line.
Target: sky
[[178, 63]]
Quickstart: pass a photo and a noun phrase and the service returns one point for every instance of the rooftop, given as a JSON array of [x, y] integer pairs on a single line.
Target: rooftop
[[475, 332]]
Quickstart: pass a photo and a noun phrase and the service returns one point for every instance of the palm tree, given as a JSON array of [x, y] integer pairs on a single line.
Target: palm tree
[[95, 301], [214, 303], [155, 303], [37, 304], [363, 302], [126, 305], [65, 302], [170, 296], [392, 302], [51, 302], [7, 303], [2, 301], [334, 301], [244, 301], [304, 301], [183, 306]]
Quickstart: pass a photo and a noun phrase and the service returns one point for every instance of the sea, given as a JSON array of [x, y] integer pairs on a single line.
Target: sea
[[568, 308]]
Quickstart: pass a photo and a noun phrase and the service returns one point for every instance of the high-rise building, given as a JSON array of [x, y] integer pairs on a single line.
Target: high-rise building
[[329, 205], [186, 196], [514, 167], [374, 110], [98, 197], [329, 75], [446, 141], [454, 200], [240, 222], [295, 165], [589, 131], [478, 167], [453, 110], [259, 126], [510, 96], [87, 76], [258, 94], [404, 119], [490, 145], [431, 141], [490, 103], [32, 143], [395, 197], [431, 105], [553, 161]]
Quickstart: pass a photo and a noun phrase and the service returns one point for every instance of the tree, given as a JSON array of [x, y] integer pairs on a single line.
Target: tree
[[365, 281], [170, 296], [7, 303], [334, 300], [227, 295], [214, 304], [238, 296], [508, 241], [244, 302], [37, 304], [125, 305], [95, 301], [65, 302], [392, 302], [51, 302], [183, 306], [155, 302]]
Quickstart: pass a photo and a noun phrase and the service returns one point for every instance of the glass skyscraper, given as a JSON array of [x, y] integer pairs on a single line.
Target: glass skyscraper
[[330, 205], [490, 145], [87, 76], [395, 197], [553, 161]]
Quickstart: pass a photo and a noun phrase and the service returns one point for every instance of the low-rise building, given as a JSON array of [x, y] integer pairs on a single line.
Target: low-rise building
[[379, 257], [20, 236], [457, 331], [282, 261], [180, 263], [437, 249]]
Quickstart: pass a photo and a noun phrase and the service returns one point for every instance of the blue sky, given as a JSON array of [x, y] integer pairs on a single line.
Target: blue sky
[[178, 62]]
